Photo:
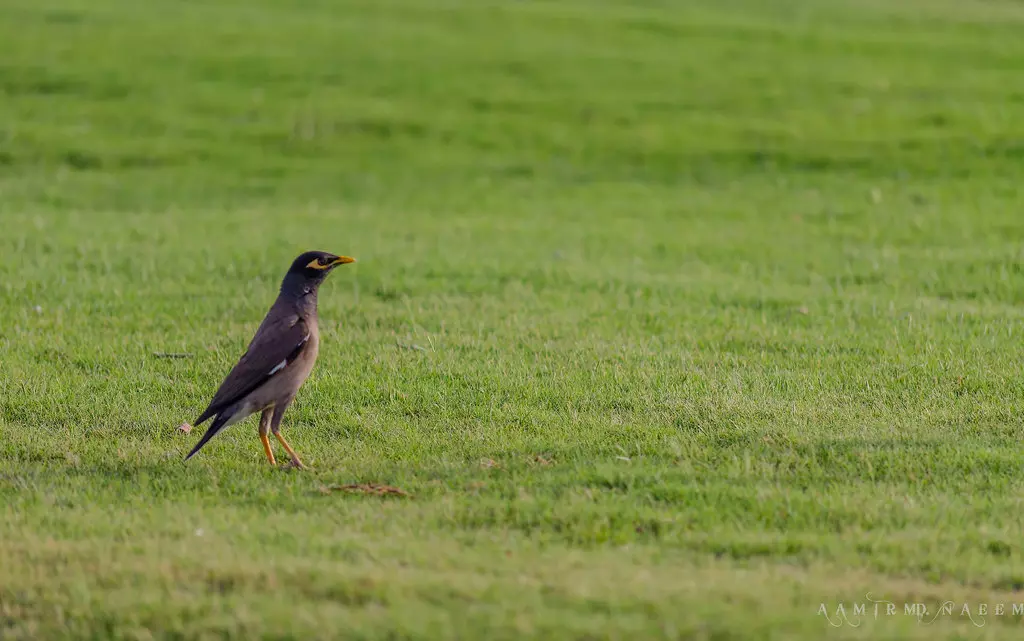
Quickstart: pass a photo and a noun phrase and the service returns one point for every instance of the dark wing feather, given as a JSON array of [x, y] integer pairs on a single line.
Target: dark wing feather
[[277, 343]]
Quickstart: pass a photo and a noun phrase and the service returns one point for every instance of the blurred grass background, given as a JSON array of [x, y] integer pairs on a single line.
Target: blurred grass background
[[676, 319]]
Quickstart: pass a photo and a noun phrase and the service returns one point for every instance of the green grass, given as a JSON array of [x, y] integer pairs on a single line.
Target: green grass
[[675, 319]]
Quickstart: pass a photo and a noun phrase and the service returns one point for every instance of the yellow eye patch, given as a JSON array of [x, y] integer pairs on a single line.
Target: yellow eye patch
[[340, 260]]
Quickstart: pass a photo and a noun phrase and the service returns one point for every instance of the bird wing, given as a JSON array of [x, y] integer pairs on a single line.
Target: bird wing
[[276, 345]]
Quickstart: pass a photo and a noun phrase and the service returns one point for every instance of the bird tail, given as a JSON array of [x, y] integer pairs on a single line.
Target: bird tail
[[216, 426], [207, 413]]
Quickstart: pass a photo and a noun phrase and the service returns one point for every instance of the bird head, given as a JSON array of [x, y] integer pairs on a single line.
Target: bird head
[[311, 268]]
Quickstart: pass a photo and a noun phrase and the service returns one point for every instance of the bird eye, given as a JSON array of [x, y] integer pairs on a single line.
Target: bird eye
[[322, 260]]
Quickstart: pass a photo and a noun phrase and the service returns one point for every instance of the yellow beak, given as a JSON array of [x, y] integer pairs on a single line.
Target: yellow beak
[[342, 260]]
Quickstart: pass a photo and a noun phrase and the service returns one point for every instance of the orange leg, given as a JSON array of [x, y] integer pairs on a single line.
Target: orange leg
[[266, 448], [288, 448], [264, 429]]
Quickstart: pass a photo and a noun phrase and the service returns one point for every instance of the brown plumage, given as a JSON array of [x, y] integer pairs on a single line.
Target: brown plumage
[[279, 357]]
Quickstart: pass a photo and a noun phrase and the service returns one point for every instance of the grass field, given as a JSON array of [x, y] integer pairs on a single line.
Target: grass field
[[674, 319]]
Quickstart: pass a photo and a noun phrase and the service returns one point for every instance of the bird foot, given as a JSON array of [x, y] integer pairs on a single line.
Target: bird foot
[[294, 464]]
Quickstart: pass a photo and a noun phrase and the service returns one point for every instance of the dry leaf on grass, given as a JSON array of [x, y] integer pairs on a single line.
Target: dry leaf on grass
[[365, 488], [185, 427], [488, 463]]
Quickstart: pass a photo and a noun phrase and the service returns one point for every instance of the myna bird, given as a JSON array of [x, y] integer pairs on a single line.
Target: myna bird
[[279, 358]]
